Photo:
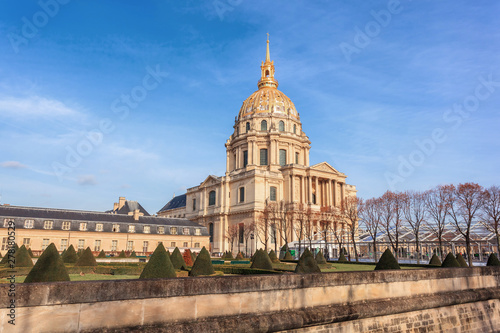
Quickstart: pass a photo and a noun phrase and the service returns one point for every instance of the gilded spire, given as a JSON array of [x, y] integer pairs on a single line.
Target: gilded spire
[[268, 55], [267, 67]]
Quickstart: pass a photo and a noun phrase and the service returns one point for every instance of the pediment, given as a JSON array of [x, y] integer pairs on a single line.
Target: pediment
[[210, 180], [324, 166]]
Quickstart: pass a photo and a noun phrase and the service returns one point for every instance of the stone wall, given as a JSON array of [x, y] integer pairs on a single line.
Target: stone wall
[[362, 301]]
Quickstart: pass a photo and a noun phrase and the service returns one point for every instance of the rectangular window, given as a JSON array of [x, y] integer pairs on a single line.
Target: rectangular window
[[245, 158], [130, 245], [48, 224], [314, 198], [161, 230], [27, 242], [296, 158], [273, 233], [241, 230], [173, 230], [66, 225], [4, 244], [196, 245], [272, 193], [116, 228], [98, 227], [97, 245], [242, 194], [83, 226], [147, 229], [185, 231], [145, 246], [131, 228], [64, 244], [45, 243], [282, 157], [194, 204], [81, 244], [263, 157], [197, 232], [172, 244], [28, 224], [185, 244], [114, 245]]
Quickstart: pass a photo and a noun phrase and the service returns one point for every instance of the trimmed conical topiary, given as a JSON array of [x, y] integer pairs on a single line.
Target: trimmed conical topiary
[[79, 253], [229, 255], [450, 261], [288, 256], [1, 256], [284, 249], [387, 261], [30, 253], [69, 256], [493, 260], [86, 259], [187, 257], [63, 252], [261, 260], [122, 254], [320, 259], [177, 260], [22, 258], [307, 263], [102, 254], [48, 268], [342, 257], [202, 265], [239, 256], [159, 265], [273, 257], [13, 251], [133, 255], [461, 260], [193, 257], [435, 261]]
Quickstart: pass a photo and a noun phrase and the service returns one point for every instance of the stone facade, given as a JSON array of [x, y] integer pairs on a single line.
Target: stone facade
[[267, 160]]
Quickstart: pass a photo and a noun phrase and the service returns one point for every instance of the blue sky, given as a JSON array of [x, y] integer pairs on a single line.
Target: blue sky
[[396, 94]]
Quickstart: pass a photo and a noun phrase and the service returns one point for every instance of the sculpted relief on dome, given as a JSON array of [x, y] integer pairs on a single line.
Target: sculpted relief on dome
[[268, 100]]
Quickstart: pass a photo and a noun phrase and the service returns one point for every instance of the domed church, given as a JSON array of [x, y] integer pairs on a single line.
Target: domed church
[[267, 161]]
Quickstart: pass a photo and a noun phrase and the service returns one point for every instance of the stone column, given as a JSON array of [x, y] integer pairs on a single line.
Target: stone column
[[335, 201], [302, 190], [227, 160], [342, 191], [292, 188], [310, 189], [317, 192]]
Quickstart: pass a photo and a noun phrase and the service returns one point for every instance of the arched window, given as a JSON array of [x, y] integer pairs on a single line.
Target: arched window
[[247, 126], [263, 125], [267, 73], [281, 126], [282, 157], [237, 130], [211, 198], [211, 232], [294, 129]]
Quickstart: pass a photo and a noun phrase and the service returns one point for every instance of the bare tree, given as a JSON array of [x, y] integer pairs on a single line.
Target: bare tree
[[415, 213], [299, 225], [491, 211], [328, 216], [232, 234], [283, 215], [392, 217], [371, 218], [309, 225], [350, 207], [263, 226], [465, 203], [247, 233], [436, 203], [338, 231]]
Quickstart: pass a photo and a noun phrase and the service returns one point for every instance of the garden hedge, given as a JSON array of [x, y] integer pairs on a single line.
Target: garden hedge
[[387, 261], [450, 261], [48, 268], [307, 263], [202, 265], [86, 259], [177, 260], [159, 265]]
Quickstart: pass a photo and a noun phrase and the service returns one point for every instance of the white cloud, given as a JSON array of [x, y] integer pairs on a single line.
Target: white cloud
[[12, 165], [35, 106], [86, 180]]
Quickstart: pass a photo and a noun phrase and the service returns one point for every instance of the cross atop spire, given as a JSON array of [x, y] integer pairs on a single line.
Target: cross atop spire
[[268, 55]]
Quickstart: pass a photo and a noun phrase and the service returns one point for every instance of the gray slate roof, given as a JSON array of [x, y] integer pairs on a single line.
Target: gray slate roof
[[39, 215], [130, 206], [176, 202]]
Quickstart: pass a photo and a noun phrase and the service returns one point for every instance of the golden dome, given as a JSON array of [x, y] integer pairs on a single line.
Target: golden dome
[[268, 99]]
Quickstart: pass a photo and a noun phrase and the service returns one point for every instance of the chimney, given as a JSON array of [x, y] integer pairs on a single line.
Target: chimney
[[115, 206], [137, 214], [121, 202]]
